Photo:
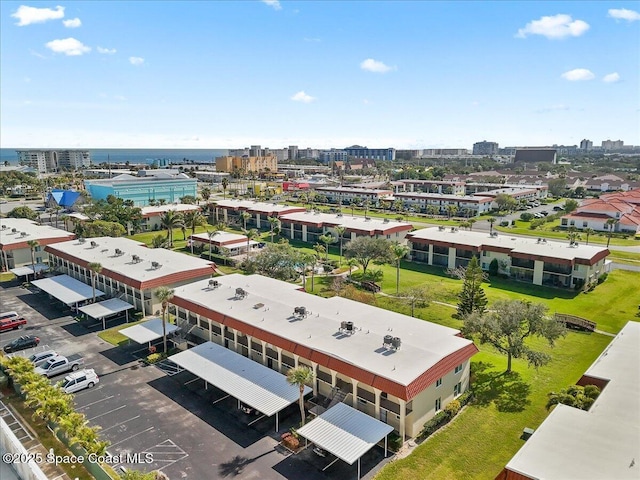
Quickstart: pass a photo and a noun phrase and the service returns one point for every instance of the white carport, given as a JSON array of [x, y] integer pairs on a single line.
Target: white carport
[[27, 270], [346, 432], [251, 383], [147, 332], [67, 289], [106, 308]]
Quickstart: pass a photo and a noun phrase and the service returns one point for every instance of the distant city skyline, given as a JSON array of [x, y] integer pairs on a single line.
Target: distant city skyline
[[406, 75]]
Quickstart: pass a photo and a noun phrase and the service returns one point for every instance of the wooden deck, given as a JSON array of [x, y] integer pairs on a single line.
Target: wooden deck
[[578, 323]]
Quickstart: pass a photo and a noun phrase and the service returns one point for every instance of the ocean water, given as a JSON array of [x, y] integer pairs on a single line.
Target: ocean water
[[135, 155]]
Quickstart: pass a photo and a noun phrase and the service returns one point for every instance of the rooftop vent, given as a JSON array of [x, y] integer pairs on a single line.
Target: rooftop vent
[[119, 252], [241, 293], [441, 228], [301, 312], [14, 230], [155, 265], [347, 327], [493, 234], [214, 283], [93, 244], [4, 227], [24, 234], [386, 220], [135, 259]]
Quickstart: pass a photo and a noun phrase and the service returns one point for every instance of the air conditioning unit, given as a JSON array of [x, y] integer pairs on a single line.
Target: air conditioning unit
[[4, 227], [14, 230], [214, 283], [339, 215], [395, 343], [24, 234], [300, 311], [347, 327], [93, 244], [155, 265], [135, 259], [386, 220], [387, 341], [241, 293], [81, 240], [119, 252]]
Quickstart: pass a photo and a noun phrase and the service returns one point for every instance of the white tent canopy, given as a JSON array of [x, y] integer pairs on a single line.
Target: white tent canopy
[[250, 382], [28, 269], [106, 308], [148, 331], [66, 289], [345, 432]]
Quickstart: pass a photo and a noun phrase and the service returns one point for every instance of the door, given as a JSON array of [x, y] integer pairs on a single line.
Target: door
[[383, 416]]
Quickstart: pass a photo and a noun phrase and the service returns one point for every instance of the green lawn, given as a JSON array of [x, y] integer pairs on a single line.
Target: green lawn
[[7, 277], [630, 258], [179, 242], [113, 335], [484, 437]]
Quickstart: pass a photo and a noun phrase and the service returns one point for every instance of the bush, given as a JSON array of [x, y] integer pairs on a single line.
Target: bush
[[452, 408], [526, 216], [465, 398], [434, 424], [579, 284], [494, 267], [504, 223], [395, 442], [602, 278], [218, 259], [155, 357]]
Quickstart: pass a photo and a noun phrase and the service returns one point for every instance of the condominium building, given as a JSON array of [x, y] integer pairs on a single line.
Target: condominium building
[[601, 442], [618, 212], [356, 151], [48, 161], [130, 270], [465, 205], [540, 262], [396, 368], [15, 233], [536, 155], [485, 148], [433, 186], [229, 211], [152, 216], [586, 145], [346, 195], [247, 164]]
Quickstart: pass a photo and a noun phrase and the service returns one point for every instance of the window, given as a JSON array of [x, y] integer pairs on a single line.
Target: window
[[457, 389], [585, 224], [438, 404], [438, 382], [458, 369]]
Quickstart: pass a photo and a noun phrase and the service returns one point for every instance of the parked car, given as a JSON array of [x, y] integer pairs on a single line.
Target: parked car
[[6, 315], [12, 323], [558, 208], [59, 364], [38, 359], [21, 343], [80, 380], [544, 212]]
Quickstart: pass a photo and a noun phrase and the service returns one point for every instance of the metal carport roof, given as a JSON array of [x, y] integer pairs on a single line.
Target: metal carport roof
[[66, 289], [148, 331], [345, 432], [28, 269], [250, 382], [103, 309]]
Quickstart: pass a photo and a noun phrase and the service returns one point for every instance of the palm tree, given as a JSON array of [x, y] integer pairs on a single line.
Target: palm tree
[[273, 223], [33, 244], [573, 235], [491, 221], [587, 232], [471, 221], [193, 220], [366, 205], [244, 216], [94, 269], [326, 240], [300, 376], [251, 235], [451, 211], [165, 295], [57, 209], [306, 259], [205, 193], [225, 185], [610, 223], [340, 231], [352, 262], [399, 251], [170, 220], [353, 206], [211, 234]]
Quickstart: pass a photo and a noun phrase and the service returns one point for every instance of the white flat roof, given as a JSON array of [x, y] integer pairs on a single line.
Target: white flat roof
[[423, 343], [346, 220], [603, 442], [524, 245], [66, 289], [220, 238], [444, 196], [345, 432], [28, 269], [104, 253], [32, 229], [160, 209], [148, 331], [260, 207], [356, 190], [250, 382], [105, 308]]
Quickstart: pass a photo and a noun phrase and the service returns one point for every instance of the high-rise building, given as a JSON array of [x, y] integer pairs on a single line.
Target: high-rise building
[[356, 151], [247, 164], [255, 151], [485, 148], [586, 145], [47, 161], [612, 144], [293, 152]]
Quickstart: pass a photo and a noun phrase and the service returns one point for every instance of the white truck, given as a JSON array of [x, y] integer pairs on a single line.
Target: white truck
[[59, 364]]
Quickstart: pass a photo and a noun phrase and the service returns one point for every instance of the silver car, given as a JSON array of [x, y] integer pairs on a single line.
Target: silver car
[[40, 358]]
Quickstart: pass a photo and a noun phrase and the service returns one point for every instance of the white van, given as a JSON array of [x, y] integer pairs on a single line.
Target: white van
[[40, 358], [80, 380]]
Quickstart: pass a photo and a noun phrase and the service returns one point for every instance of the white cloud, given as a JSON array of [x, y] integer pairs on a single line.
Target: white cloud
[[578, 74], [72, 23], [68, 46], [275, 4], [106, 51], [376, 66], [624, 14], [554, 27], [302, 97], [28, 15], [611, 78], [136, 61]]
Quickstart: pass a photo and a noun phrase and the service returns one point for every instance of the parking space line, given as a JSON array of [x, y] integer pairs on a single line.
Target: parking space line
[[107, 413], [97, 401], [118, 424], [191, 381], [131, 436]]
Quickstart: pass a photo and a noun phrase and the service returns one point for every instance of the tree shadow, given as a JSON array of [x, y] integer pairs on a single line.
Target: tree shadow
[[504, 389], [235, 466]]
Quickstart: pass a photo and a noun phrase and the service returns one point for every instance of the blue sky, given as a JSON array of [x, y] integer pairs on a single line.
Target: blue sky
[[317, 74]]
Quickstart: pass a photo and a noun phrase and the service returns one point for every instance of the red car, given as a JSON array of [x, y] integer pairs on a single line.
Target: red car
[[12, 323]]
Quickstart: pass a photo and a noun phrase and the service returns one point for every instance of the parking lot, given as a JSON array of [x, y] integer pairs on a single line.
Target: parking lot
[[168, 421]]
